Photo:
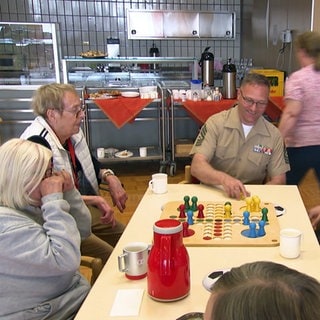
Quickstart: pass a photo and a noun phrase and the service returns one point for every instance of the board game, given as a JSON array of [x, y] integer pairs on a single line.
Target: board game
[[243, 223]]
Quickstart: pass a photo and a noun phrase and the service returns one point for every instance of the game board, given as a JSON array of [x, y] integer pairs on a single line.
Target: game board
[[212, 223]]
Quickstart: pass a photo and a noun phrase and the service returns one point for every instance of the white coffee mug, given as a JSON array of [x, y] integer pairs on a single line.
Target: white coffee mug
[[100, 153], [290, 242], [134, 260], [159, 183], [143, 151]]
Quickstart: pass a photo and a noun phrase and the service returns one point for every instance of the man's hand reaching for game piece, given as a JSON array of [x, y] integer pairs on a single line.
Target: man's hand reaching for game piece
[[235, 188]]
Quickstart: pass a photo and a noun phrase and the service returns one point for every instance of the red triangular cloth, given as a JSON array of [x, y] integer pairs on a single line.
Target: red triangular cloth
[[202, 110], [122, 110]]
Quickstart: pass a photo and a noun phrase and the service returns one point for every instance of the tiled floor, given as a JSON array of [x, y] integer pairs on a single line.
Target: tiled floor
[[136, 176]]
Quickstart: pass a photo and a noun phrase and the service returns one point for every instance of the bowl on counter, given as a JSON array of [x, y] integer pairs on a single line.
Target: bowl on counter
[[148, 92]]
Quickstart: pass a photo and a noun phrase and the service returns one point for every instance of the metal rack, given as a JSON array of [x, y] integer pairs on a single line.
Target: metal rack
[[158, 112], [95, 120]]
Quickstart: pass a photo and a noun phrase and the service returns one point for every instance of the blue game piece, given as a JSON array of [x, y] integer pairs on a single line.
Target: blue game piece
[[252, 230], [246, 215], [190, 217], [261, 231]]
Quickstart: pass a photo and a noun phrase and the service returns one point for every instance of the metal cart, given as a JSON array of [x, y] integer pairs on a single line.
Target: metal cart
[[168, 87], [130, 136]]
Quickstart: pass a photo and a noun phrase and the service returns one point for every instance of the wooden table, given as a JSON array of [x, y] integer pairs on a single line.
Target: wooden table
[[203, 260]]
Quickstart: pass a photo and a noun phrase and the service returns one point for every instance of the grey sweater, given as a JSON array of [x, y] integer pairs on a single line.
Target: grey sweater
[[40, 257]]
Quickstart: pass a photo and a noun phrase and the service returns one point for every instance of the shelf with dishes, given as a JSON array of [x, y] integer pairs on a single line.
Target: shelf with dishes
[[113, 155]]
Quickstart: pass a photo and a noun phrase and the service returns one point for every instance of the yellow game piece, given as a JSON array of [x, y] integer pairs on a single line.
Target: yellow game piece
[[248, 203], [227, 211], [256, 204]]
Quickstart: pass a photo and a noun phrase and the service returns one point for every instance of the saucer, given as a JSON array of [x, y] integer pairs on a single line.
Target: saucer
[[124, 154], [130, 94]]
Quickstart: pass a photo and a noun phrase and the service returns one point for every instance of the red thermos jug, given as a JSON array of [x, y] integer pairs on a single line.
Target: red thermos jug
[[168, 274]]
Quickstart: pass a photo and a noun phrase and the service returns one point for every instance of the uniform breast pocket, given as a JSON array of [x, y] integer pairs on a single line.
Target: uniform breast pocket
[[259, 159], [225, 153]]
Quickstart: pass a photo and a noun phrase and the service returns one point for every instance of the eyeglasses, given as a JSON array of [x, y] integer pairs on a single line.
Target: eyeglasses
[[77, 112], [250, 102]]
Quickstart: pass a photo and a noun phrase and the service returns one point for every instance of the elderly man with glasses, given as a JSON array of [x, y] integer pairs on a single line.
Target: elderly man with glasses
[[59, 113], [239, 146]]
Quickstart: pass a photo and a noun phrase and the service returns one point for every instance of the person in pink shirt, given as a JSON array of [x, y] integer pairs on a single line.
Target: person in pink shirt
[[300, 121]]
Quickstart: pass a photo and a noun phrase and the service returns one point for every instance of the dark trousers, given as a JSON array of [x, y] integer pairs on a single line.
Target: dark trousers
[[302, 159]]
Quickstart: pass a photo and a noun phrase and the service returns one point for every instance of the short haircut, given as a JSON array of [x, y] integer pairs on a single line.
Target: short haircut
[[255, 78], [265, 291], [23, 166], [309, 41], [50, 96]]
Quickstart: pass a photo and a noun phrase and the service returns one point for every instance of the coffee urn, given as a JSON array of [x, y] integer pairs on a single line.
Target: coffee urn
[[229, 78], [207, 67]]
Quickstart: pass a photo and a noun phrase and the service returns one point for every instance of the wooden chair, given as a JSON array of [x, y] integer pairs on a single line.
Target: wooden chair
[[90, 268], [188, 178]]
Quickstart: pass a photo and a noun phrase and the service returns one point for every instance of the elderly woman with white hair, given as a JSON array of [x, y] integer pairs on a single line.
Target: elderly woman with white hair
[[42, 221]]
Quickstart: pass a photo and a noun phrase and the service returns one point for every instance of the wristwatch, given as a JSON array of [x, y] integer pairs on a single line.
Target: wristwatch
[[106, 173]]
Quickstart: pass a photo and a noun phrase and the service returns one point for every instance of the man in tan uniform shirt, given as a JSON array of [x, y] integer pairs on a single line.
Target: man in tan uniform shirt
[[239, 146]]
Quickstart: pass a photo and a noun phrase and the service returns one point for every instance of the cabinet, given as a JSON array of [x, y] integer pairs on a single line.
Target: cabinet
[[29, 53], [180, 24], [165, 24]]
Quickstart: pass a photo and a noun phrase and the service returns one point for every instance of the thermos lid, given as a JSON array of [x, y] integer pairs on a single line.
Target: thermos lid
[[154, 50], [167, 226], [206, 55], [229, 67]]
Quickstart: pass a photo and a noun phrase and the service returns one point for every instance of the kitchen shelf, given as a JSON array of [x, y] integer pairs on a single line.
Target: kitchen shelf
[[30, 54]]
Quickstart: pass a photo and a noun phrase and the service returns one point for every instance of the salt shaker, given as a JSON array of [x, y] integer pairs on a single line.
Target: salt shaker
[[217, 94]]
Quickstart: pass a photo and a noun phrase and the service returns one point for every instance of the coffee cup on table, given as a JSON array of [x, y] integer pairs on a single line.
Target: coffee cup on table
[[159, 183], [143, 151], [134, 260], [100, 153], [290, 242]]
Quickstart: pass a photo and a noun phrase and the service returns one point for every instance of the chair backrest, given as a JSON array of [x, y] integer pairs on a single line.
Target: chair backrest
[[188, 178], [90, 268]]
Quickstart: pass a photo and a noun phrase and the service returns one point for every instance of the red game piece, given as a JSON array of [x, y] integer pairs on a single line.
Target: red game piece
[[186, 232], [200, 211], [182, 211]]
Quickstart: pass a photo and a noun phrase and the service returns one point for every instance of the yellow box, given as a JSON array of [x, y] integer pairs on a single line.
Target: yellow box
[[276, 78]]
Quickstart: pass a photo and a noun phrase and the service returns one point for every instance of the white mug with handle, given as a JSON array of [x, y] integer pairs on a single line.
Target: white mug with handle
[[159, 183]]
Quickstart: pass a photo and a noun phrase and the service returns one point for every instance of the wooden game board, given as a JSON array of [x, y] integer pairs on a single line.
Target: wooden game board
[[217, 230]]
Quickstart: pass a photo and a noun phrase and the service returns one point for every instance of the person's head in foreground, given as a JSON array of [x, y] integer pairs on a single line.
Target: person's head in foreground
[[24, 165], [264, 291]]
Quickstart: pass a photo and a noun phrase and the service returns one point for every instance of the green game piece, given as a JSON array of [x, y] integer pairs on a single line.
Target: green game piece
[[186, 202], [194, 206], [264, 212]]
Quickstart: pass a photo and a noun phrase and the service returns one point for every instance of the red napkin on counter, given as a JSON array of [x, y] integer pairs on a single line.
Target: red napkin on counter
[[202, 110], [122, 110], [275, 107]]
